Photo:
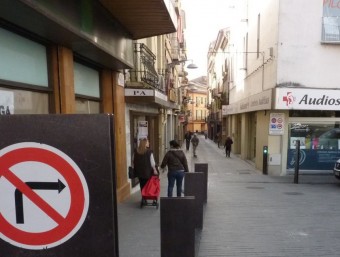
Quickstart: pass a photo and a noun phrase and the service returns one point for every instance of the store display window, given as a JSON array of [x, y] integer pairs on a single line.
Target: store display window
[[319, 145]]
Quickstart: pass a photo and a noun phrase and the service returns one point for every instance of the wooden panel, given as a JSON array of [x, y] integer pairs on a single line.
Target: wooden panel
[[66, 83], [107, 91], [123, 187], [54, 79]]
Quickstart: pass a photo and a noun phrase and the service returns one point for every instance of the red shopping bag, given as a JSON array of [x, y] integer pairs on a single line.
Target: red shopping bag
[[152, 188]]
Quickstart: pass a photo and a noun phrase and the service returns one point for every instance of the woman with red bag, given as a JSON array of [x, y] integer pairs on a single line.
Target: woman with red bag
[[144, 162]]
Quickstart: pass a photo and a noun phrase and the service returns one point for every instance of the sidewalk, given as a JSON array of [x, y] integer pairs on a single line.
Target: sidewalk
[[247, 213]]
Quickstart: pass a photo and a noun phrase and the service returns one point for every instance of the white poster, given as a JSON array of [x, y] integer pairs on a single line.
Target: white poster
[[276, 124], [142, 129], [6, 102]]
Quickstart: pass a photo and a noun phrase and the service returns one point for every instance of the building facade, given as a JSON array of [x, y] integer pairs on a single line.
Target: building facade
[[283, 84], [151, 92], [59, 58]]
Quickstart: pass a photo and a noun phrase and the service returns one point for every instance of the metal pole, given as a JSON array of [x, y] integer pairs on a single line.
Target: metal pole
[[297, 162], [265, 160]]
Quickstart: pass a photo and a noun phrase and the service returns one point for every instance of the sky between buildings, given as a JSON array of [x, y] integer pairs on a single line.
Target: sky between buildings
[[204, 18]]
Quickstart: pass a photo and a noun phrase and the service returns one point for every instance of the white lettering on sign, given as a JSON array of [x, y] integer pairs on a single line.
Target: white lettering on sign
[[6, 102], [307, 99]]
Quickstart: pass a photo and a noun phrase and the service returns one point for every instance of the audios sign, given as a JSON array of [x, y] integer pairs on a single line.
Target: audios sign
[[307, 99]]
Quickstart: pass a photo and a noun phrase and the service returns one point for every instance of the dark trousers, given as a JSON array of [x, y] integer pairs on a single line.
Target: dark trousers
[[175, 176], [227, 151], [187, 144], [142, 182]]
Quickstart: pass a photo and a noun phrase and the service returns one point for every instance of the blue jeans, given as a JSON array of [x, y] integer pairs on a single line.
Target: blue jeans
[[175, 175]]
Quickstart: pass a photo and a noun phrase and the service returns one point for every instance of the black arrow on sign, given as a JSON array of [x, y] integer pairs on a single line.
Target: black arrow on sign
[[19, 206]]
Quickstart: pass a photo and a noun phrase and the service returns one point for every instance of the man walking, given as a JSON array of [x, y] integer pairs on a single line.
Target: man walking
[[195, 141], [227, 146], [187, 138]]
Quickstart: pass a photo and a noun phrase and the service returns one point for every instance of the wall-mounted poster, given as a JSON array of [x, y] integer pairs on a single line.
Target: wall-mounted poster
[[142, 130]]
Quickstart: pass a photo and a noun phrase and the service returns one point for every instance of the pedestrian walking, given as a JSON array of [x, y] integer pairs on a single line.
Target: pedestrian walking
[[195, 141], [177, 164], [227, 146], [187, 138], [144, 162]]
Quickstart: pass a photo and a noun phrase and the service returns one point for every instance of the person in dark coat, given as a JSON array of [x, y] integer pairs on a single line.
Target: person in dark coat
[[144, 163], [187, 138], [227, 146], [177, 164]]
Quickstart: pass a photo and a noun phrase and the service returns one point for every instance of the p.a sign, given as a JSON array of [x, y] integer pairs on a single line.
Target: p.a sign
[[57, 186]]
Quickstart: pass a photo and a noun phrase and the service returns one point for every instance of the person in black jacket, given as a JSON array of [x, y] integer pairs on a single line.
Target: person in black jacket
[[227, 146], [144, 162], [177, 164], [187, 138]]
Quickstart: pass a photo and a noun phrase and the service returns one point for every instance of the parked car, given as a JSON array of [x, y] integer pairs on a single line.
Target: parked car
[[337, 169]]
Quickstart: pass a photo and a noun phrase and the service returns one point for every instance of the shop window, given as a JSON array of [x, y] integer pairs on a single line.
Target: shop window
[[87, 89], [22, 102], [22, 60], [84, 106], [319, 145], [309, 113], [86, 80]]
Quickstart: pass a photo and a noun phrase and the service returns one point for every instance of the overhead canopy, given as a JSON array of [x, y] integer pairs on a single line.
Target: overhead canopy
[[144, 18]]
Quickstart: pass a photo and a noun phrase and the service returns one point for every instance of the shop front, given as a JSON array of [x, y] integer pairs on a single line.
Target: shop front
[[148, 115], [319, 144], [314, 120]]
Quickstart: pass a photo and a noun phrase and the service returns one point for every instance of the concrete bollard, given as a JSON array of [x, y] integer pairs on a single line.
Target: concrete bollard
[[203, 167], [193, 185], [177, 226]]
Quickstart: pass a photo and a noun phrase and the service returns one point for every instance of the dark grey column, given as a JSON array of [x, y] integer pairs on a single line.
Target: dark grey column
[[194, 186], [177, 226], [203, 167]]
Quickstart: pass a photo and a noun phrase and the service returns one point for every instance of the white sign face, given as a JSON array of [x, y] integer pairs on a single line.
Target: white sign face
[[276, 124], [138, 92], [44, 196], [307, 99], [6, 102]]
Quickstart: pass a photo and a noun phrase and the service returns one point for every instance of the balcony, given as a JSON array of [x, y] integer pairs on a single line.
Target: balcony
[[146, 85], [144, 70]]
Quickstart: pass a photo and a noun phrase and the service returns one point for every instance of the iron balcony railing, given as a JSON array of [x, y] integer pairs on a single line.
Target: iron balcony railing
[[144, 70]]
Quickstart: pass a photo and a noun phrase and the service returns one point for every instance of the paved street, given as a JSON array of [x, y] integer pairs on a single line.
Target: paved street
[[247, 213]]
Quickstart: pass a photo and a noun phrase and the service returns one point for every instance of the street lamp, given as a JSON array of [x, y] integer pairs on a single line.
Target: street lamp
[[190, 66]]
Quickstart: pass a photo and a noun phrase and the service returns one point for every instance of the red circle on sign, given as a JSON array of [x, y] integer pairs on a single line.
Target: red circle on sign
[[66, 225]]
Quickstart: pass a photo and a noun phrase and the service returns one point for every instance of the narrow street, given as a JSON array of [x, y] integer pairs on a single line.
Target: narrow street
[[247, 213]]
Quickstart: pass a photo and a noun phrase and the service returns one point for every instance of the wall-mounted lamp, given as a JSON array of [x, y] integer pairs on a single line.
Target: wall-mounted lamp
[[190, 66]]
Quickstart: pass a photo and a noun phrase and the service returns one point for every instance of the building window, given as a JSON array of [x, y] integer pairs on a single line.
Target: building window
[[330, 23], [17, 101], [24, 87], [87, 89]]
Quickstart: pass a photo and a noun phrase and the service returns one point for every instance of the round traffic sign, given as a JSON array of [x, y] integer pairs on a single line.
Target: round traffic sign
[[45, 196]]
